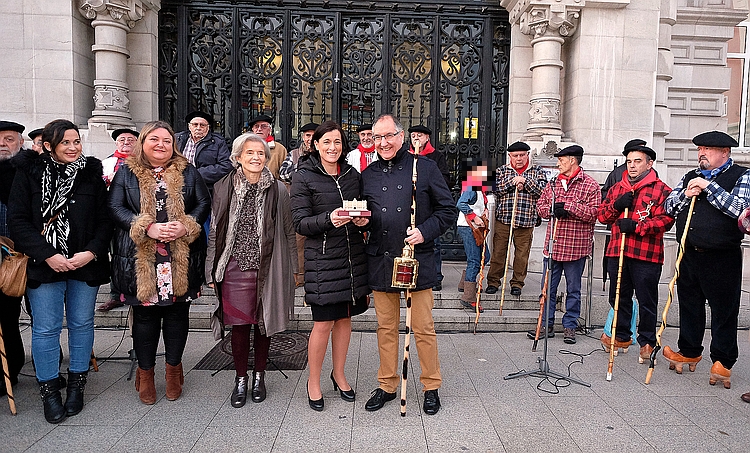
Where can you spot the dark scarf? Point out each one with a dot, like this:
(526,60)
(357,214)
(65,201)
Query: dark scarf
(57,188)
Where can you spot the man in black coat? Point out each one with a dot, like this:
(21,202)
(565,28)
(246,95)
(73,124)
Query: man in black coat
(10,307)
(387,187)
(205,149)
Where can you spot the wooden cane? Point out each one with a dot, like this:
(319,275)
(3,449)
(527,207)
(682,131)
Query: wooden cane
(93,361)
(507,253)
(543,296)
(407,293)
(611,363)
(6,374)
(670,296)
(479,279)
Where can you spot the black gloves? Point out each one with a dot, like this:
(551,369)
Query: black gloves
(627,225)
(625,201)
(559,210)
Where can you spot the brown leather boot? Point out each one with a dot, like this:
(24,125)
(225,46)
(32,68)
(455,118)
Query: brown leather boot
(175,379)
(720,374)
(470,294)
(461,281)
(677,360)
(144,384)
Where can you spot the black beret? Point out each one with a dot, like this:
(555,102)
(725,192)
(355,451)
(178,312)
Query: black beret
(518,146)
(644,149)
(421,129)
(199,114)
(715,139)
(572,150)
(364,127)
(35,133)
(118,132)
(11,126)
(258,119)
(632,144)
(309,127)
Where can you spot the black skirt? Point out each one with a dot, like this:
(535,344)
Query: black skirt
(341,310)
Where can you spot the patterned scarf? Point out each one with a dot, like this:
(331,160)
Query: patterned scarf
(57,188)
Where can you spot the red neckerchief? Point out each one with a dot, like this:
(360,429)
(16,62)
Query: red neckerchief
(270,139)
(363,156)
(568,178)
(427,149)
(521,170)
(648,179)
(120,155)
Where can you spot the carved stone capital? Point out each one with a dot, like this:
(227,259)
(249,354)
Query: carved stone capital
(557,19)
(121,12)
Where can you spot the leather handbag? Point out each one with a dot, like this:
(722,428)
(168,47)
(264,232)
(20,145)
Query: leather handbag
(479,233)
(12,269)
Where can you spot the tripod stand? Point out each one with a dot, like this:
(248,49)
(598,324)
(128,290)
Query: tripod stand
(544,371)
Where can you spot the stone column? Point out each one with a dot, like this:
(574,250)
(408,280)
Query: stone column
(548,26)
(111,20)
(664,72)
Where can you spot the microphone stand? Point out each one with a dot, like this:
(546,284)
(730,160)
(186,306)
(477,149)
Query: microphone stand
(544,371)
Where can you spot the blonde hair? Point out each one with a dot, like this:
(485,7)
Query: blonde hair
(148,128)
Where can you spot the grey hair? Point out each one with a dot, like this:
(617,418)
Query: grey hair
(239,144)
(397,123)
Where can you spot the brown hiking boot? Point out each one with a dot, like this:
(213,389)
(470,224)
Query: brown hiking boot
(645,353)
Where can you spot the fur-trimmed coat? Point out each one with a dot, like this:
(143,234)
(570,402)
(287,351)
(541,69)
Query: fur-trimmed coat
(132,205)
(90,226)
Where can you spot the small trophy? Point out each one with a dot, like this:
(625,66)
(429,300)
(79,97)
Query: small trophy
(355,208)
(405,269)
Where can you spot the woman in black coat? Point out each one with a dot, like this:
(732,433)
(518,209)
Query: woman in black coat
(335,262)
(57,216)
(158,201)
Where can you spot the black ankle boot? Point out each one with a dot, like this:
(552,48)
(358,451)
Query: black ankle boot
(54,411)
(239,394)
(258,392)
(76,385)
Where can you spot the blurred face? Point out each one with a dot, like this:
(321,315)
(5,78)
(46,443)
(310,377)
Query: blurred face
(329,147)
(263,129)
(252,159)
(518,159)
(418,137)
(567,165)
(126,142)
(158,147)
(365,139)
(638,163)
(69,149)
(36,144)
(710,158)
(198,128)
(10,144)
(387,139)
(307,138)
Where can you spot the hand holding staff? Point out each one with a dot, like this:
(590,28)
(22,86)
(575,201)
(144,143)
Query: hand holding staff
(480,277)
(680,253)
(507,253)
(612,349)
(6,374)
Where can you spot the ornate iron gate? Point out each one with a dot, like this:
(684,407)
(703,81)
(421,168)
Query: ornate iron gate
(444,66)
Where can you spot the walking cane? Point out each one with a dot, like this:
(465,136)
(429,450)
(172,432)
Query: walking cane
(93,361)
(480,277)
(611,363)
(6,374)
(507,253)
(680,253)
(543,296)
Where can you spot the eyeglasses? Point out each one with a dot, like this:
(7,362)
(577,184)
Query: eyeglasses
(126,140)
(261,126)
(387,137)
(199,125)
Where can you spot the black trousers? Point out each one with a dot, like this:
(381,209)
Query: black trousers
(172,321)
(10,312)
(716,276)
(641,277)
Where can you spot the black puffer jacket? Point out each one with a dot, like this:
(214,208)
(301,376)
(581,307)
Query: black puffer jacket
(90,226)
(335,261)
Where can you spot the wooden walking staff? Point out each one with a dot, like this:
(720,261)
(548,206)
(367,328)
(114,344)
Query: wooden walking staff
(543,296)
(670,296)
(405,269)
(507,253)
(479,279)
(612,349)
(6,374)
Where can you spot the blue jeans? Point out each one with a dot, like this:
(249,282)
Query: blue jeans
(573,273)
(473,253)
(47,303)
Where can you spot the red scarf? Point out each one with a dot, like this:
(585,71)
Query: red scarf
(648,179)
(427,149)
(270,139)
(521,170)
(363,156)
(120,155)
(568,178)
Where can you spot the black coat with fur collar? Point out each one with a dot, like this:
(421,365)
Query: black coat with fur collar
(90,226)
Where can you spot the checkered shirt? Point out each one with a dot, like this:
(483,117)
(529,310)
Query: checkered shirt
(743,221)
(526,215)
(647,243)
(189,151)
(575,233)
(730,203)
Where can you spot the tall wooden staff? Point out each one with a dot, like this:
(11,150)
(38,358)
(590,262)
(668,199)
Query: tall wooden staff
(6,374)
(507,253)
(480,277)
(680,253)
(611,363)
(543,296)
(407,292)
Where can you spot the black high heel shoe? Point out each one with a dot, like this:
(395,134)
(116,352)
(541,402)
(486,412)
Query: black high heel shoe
(346,395)
(316,405)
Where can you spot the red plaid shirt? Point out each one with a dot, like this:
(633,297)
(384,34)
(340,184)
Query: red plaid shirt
(575,233)
(647,243)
